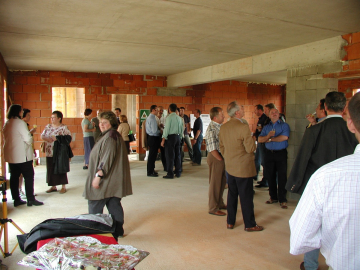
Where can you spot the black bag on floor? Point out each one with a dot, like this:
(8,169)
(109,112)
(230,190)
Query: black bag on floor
(64,227)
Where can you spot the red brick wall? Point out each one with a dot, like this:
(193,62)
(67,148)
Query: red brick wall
(349,77)
(222,93)
(3,76)
(32,90)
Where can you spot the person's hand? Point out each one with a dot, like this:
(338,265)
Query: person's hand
(271,133)
(96,182)
(53,138)
(162,143)
(311,118)
(33,130)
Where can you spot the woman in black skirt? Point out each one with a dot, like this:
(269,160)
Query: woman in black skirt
(49,134)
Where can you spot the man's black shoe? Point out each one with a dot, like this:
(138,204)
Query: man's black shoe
(34,202)
(260,186)
(19,202)
(168,177)
(153,175)
(178,175)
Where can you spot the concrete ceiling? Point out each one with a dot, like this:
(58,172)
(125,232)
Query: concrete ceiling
(162,37)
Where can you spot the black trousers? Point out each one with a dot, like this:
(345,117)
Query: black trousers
(276,162)
(173,155)
(114,207)
(242,187)
(163,157)
(153,144)
(27,170)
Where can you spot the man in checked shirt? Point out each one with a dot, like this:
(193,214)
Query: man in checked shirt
(217,179)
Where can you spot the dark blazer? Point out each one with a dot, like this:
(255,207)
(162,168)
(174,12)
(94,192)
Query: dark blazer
(321,144)
(62,153)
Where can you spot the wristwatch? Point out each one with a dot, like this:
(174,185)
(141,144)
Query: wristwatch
(270,140)
(98,175)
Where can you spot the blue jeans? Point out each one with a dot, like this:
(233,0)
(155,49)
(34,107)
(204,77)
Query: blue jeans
(197,150)
(311,259)
(259,157)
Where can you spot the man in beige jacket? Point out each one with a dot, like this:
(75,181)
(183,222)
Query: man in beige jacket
(237,147)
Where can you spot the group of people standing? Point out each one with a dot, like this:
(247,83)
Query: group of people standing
(169,134)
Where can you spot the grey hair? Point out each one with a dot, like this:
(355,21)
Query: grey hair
(232,108)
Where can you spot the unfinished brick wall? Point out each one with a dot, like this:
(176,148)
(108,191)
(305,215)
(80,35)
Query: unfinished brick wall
(349,77)
(32,90)
(222,93)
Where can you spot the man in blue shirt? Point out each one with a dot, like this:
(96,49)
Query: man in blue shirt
(275,135)
(153,140)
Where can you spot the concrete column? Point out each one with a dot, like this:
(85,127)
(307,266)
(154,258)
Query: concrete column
(305,87)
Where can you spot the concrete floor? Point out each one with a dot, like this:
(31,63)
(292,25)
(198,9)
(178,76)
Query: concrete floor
(169,218)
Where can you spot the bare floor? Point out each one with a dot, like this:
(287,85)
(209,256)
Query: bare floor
(169,218)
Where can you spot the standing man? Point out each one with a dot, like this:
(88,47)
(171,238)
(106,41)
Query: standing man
(95,122)
(275,135)
(171,139)
(118,113)
(320,113)
(153,139)
(237,147)
(160,119)
(321,144)
(259,154)
(198,130)
(186,134)
(217,178)
(327,214)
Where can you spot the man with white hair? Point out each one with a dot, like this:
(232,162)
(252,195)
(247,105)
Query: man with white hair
(237,146)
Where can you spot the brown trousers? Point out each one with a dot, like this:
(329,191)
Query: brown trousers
(217,181)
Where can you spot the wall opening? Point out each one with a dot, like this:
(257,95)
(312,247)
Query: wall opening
(69,100)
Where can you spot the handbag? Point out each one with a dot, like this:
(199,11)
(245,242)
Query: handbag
(131,137)
(42,147)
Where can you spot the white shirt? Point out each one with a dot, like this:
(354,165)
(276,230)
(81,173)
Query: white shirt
(17,141)
(328,214)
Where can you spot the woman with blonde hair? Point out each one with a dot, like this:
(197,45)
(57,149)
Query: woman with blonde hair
(124,129)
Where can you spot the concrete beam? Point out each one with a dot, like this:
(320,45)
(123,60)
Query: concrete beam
(315,53)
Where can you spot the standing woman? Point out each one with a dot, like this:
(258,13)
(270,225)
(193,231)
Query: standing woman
(56,128)
(108,179)
(124,129)
(88,134)
(18,152)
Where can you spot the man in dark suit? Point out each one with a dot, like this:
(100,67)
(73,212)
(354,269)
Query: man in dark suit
(321,144)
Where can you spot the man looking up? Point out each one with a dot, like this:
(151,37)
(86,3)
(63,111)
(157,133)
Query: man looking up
(186,133)
(275,135)
(198,130)
(320,113)
(153,140)
(171,140)
(237,147)
(327,214)
(217,178)
(321,144)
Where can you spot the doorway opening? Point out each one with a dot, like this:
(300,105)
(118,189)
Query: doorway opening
(127,104)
